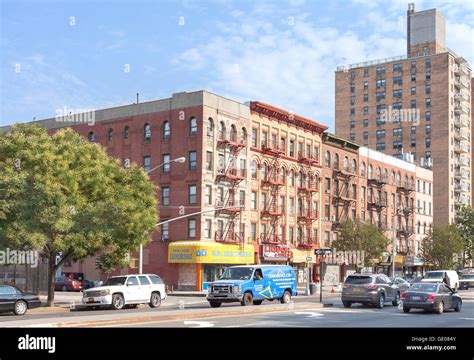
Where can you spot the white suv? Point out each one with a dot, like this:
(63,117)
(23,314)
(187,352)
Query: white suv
(127,290)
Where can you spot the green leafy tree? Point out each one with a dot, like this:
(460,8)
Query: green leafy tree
(65,197)
(442,246)
(360,236)
(465,225)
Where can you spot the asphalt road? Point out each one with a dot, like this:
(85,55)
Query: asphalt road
(337,316)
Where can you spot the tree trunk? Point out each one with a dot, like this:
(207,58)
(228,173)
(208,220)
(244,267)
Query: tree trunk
(51,278)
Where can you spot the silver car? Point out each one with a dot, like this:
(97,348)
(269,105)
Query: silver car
(373,289)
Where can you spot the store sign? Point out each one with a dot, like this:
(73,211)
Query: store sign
(417,261)
(409,261)
(276,251)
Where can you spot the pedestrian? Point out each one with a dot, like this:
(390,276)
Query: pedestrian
(446,279)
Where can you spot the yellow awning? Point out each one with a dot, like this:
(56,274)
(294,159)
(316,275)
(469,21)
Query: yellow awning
(209,252)
(299,256)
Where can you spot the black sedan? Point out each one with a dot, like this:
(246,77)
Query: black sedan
(435,297)
(17,301)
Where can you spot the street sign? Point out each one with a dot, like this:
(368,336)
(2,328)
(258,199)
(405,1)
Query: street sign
(309,258)
(322,252)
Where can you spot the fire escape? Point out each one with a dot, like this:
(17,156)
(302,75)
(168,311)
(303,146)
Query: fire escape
(405,216)
(307,214)
(273,183)
(229,173)
(341,195)
(378,202)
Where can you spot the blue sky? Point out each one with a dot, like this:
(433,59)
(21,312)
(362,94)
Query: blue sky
(76,54)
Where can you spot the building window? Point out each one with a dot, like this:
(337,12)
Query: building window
(254,169)
(366,85)
(253,231)
(413,91)
(380,146)
(428,102)
(91,137)
(398,80)
(397,93)
(192,194)
(126,132)
(428,115)
(380,70)
(208,228)
(413,77)
(413,64)
(428,75)
(380,83)
(254,137)
(292,177)
(380,95)
(397,144)
(165,231)
(428,129)
(380,134)
(352,124)
(166,130)
(209,156)
(110,135)
(253,200)
(427,89)
(192,228)
(366,72)
(366,135)
(353,88)
(428,63)
(193,127)
(413,130)
(365,122)
(192,160)
(210,128)
(146,164)
(413,104)
(352,136)
(413,142)
(208,195)
(428,142)
(165,196)
(353,100)
(292,207)
(366,97)
(366,110)
(292,148)
(398,132)
(397,67)
(147,133)
(166,162)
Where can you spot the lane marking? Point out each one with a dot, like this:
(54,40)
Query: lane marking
(310,314)
(200,324)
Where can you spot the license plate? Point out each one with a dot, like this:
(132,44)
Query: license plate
(91,299)
(356,289)
(416,297)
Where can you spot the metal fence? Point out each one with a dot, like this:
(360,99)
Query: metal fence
(25,277)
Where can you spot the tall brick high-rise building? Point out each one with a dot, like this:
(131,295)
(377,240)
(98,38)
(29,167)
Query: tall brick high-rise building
(418,106)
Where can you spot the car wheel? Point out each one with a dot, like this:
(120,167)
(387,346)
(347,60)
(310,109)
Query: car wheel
(64,288)
(257,302)
(406,309)
(247,300)
(347,304)
(440,308)
(215,304)
(20,307)
(397,300)
(117,302)
(380,301)
(458,306)
(286,299)
(155,300)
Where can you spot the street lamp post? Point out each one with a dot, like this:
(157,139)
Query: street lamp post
(179,160)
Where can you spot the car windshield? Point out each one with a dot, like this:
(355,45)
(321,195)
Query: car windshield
(434,275)
(464,277)
(237,274)
(120,280)
(358,280)
(428,288)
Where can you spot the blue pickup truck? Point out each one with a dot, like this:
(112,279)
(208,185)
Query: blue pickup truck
(252,284)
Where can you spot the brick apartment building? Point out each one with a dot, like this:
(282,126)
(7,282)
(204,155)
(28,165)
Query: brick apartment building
(417,104)
(265,168)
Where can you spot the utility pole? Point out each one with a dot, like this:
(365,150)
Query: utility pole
(393,249)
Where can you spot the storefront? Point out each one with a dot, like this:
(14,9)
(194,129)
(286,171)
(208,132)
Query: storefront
(300,261)
(201,262)
(413,266)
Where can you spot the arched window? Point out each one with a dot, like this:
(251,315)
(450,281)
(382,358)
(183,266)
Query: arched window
(292,177)
(221,132)
(328,159)
(254,169)
(166,130)
(193,126)
(346,164)
(399,179)
(392,180)
(363,169)
(385,175)
(336,161)
(379,173)
(91,137)
(110,135)
(282,176)
(300,179)
(233,133)
(354,166)
(264,171)
(210,127)
(300,206)
(412,182)
(406,180)
(243,136)
(371,170)
(316,182)
(308,181)
(147,133)
(126,132)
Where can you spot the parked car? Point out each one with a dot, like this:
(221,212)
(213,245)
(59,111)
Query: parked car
(67,284)
(416,279)
(253,284)
(88,284)
(14,300)
(127,290)
(402,284)
(431,296)
(374,289)
(466,281)
(438,275)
